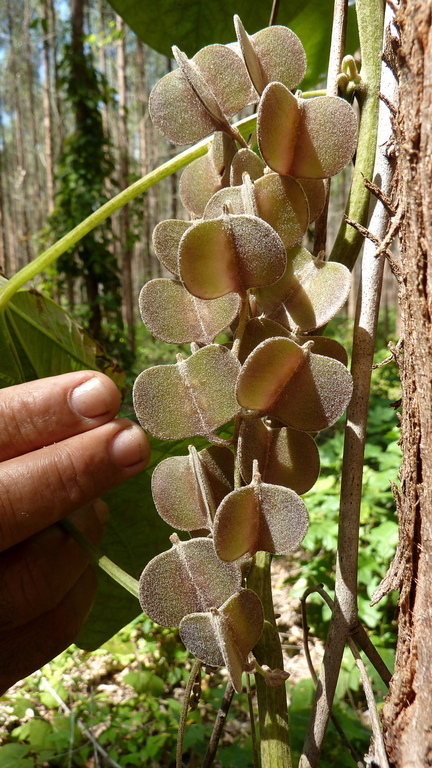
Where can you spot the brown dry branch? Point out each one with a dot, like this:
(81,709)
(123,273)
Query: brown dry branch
(345,618)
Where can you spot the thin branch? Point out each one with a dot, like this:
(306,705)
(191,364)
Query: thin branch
(274,12)
(195,671)
(367,687)
(255,752)
(88,734)
(345,618)
(218,726)
(373,712)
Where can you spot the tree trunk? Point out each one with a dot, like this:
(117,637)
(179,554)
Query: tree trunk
(127,250)
(142,99)
(47,90)
(21,189)
(407,714)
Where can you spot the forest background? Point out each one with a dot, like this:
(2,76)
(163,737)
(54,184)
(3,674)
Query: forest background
(75,130)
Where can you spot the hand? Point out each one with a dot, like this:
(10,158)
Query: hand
(60,448)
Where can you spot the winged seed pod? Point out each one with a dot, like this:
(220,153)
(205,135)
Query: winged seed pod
(225,636)
(259,517)
(305,138)
(200,97)
(240,268)
(273,53)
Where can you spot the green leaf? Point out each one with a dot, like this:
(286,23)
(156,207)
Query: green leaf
(145,682)
(14,756)
(190,24)
(38,338)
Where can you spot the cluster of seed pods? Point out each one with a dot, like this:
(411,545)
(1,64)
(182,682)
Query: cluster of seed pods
(239,265)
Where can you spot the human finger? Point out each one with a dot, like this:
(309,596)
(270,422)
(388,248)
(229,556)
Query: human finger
(36,574)
(41,487)
(29,647)
(46,411)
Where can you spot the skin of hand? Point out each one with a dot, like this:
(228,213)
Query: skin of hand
(60,448)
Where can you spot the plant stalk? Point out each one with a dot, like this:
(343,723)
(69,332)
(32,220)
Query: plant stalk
(97,558)
(370,17)
(272,701)
(345,619)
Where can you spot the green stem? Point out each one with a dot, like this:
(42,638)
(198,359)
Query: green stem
(118,574)
(370,17)
(245,127)
(67,242)
(272,701)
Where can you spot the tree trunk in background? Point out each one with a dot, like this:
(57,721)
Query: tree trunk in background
(36,201)
(56,102)
(21,183)
(47,90)
(407,714)
(142,100)
(127,250)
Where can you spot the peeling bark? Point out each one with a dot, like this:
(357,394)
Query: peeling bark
(407,714)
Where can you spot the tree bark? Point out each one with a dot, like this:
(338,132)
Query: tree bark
(407,714)
(127,250)
(47,90)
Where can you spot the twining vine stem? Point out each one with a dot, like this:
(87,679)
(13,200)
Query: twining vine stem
(344,618)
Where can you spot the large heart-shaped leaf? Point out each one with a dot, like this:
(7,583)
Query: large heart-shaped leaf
(230,253)
(285,456)
(192,397)
(292,384)
(186,579)
(309,293)
(38,338)
(226,636)
(188,489)
(259,517)
(193,23)
(172,314)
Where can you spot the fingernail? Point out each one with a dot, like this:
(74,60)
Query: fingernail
(90,399)
(101,511)
(128,447)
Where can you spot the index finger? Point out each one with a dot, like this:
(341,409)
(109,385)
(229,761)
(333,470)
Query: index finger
(40,413)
